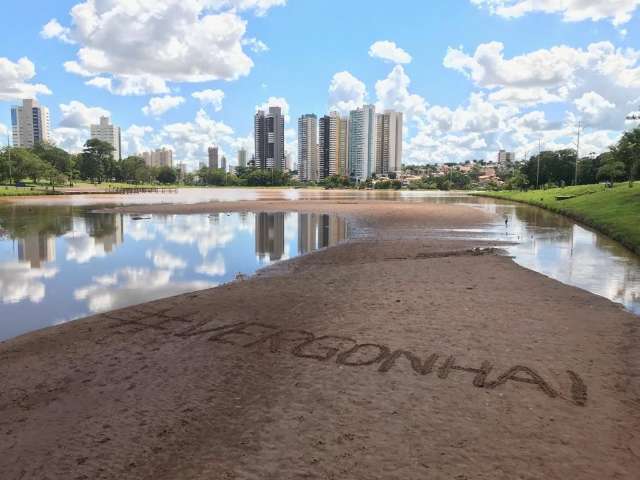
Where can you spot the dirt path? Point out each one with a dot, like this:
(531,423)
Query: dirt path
(393,356)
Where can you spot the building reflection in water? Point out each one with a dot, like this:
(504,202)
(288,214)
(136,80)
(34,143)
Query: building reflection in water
(107,229)
(319,231)
(270,235)
(37,248)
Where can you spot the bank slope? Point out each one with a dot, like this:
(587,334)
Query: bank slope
(613,211)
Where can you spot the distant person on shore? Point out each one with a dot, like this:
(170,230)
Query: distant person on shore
(506,222)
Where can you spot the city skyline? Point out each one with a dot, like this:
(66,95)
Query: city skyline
(486,81)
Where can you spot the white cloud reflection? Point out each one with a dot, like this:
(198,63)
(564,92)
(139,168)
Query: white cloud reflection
(130,286)
(19,282)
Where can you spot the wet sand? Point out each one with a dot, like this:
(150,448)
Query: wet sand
(390,356)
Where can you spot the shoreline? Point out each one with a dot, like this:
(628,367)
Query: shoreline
(390,355)
(579,217)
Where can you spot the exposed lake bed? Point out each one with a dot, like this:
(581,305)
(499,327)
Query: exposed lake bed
(297,371)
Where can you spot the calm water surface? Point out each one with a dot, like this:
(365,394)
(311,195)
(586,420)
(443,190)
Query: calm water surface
(60,261)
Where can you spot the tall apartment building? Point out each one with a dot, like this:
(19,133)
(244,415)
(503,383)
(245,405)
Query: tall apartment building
(161,157)
(213,157)
(362,142)
(242,157)
(505,157)
(30,124)
(269,139)
(388,142)
(333,145)
(223,163)
(110,134)
(308,165)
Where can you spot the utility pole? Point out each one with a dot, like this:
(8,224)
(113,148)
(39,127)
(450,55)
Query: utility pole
(539,154)
(575,180)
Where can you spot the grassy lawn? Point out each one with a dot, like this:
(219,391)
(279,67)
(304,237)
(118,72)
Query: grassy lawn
(11,191)
(613,211)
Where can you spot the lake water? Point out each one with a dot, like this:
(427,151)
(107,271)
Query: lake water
(59,261)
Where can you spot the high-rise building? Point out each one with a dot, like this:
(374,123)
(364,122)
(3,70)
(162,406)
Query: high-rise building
(223,163)
(242,157)
(388,142)
(182,170)
(362,142)
(333,145)
(161,157)
(308,166)
(505,157)
(269,139)
(110,134)
(30,124)
(213,157)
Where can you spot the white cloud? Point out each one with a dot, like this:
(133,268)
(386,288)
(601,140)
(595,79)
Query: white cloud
(276,102)
(617,11)
(126,84)
(159,105)
(70,139)
(393,93)
(557,74)
(15,80)
(259,6)
(346,92)
(77,115)
(210,97)
(134,139)
(53,29)
(3,129)
(165,40)
(256,46)
(389,51)
(594,108)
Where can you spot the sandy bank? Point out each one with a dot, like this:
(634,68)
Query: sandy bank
(391,356)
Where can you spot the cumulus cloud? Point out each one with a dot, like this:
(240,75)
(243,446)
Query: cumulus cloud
(617,11)
(159,105)
(210,97)
(19,282)
(3,129)
(557,74)
(163,40)
(346,92)
(77,115)
(276,102)
(389,51)
(15,80)
(164,260)
(53,29)
(393,93)
(134,139)
(124,84)
(215,268)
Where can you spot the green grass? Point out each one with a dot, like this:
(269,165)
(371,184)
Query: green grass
(11,191)
(612,211)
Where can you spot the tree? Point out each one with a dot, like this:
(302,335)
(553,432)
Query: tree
(612,170)
(96,162)
(167,175)
(627,151)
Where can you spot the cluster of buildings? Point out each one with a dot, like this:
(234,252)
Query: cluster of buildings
(359,145)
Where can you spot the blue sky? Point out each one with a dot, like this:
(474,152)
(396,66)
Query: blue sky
(472,76)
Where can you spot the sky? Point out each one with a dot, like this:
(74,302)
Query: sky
(471,76)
